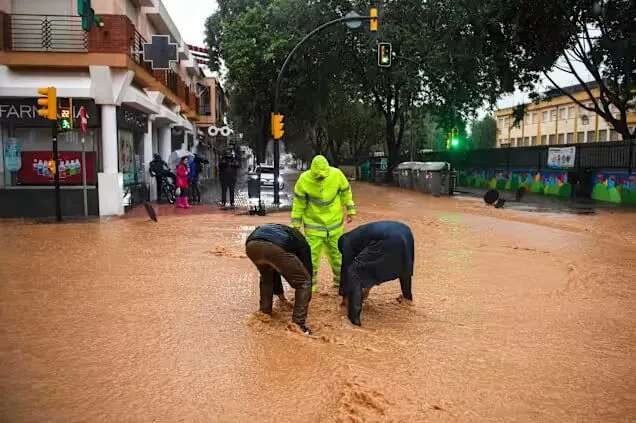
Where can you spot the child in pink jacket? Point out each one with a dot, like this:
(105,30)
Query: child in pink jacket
(182,184)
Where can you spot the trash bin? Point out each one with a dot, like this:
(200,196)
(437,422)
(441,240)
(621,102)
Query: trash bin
(403,173)
(254,204)
(437,176)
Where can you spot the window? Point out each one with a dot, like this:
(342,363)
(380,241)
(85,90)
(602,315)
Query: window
(526,141)
(580,137)
(545,116)
(500,122)
(570,138)
(561,114)
(553,114)
(533,118)
(614,135)
(602,135)
(561,139)
(519,142)
(585,120)
(571,112)
(533,140)
(591,136)
(552,139)
(544,139)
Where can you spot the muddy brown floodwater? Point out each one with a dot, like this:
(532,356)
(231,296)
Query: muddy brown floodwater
(517,317)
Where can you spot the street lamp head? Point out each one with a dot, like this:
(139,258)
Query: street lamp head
(354,23)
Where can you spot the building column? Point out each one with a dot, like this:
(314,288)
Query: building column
(111,182)
(151,183)
(164,142)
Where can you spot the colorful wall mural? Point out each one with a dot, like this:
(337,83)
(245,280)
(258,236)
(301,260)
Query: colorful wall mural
(615,187)
(610,186)
(548,182)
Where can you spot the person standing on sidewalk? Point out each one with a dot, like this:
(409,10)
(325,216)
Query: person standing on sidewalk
(280,250)
(320,196)
(159,170)
(228,170)
(195,168)
(182,183)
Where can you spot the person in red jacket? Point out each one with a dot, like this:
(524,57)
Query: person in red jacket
(182,183)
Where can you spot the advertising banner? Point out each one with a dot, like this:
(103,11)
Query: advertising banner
(37,168)
(561,158)
(12,149)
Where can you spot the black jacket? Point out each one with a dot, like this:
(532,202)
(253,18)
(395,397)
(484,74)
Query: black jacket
(289,239)
(383,251)
(228,169)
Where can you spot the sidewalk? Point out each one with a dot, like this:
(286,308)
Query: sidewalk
(543,203)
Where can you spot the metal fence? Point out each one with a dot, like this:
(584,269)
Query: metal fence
(602,155)
(51,33)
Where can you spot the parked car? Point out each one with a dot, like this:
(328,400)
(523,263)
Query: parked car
(267,176)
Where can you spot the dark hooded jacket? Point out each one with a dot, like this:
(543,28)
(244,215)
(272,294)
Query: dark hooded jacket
(289,239)
(382,251)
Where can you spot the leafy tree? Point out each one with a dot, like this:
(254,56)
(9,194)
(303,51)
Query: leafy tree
(484,133)
(575,36)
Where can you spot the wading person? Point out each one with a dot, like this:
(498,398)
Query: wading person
(372,254)
(280,250)
(320,196)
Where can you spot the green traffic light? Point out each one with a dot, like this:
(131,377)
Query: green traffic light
(455,142)
(65,124)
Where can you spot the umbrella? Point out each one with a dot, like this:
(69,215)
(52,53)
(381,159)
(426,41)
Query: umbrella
(176,155)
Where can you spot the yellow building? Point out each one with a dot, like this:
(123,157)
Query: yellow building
(557,120)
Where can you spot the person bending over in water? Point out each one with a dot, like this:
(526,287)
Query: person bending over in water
(280,250)
(372,254)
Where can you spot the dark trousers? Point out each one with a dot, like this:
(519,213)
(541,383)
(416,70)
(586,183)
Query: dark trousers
(273,261)
(158,179)
(227,186)
(195,192)
(354,301)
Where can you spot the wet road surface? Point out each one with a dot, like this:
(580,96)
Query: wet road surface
(517,317)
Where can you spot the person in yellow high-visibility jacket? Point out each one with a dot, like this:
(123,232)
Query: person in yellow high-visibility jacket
(320,196)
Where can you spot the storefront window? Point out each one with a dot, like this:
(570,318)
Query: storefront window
(131,157)
(27,157)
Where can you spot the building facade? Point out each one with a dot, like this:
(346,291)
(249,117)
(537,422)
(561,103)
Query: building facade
(133,111)
(557,120)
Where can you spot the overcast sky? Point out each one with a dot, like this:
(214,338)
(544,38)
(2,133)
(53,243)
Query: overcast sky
(190,16)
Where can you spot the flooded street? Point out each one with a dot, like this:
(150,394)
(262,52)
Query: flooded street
(517,317)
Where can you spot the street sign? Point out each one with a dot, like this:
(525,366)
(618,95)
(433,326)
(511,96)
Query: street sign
(160,52)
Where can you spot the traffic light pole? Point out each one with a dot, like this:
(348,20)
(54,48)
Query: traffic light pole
(278,82)
(56,175)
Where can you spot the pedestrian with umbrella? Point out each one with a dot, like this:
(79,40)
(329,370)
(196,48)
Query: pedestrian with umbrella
(182,183)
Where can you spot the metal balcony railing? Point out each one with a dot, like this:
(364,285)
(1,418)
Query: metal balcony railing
(50,33)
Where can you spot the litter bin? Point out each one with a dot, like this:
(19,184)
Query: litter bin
(437,175)
(404,176)
(254,203)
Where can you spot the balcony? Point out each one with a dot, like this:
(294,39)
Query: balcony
(48,33)
(61,38)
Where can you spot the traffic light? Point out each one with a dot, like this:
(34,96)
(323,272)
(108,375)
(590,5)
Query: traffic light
(47,106)
(277,126)
(373,23)
(455,138)
(65,121)
(384,55)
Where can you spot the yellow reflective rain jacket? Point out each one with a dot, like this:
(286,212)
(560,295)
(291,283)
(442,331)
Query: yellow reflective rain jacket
(320,195)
